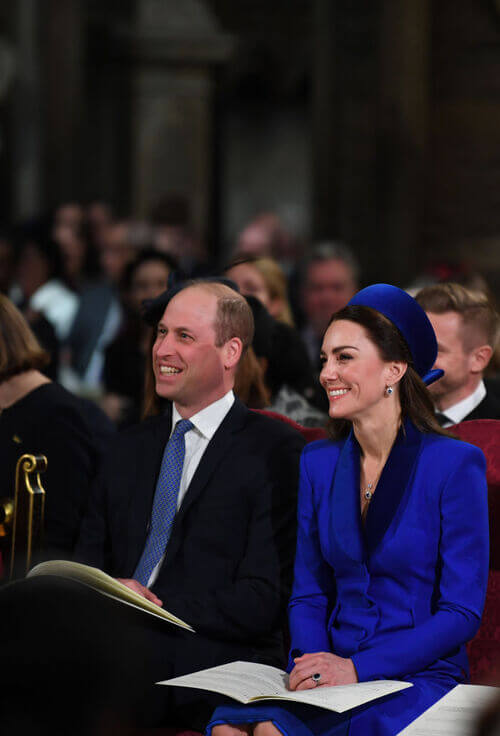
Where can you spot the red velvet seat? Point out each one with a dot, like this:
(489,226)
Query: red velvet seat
(485,434)
(484,649)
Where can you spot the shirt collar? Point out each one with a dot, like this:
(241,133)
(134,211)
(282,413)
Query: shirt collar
(463,408)
(208,420)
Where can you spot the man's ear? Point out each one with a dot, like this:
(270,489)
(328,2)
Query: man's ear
(233,349)
(480,357)
(395,372)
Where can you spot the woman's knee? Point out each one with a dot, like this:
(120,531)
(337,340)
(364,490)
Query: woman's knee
(230,730)
(266,728)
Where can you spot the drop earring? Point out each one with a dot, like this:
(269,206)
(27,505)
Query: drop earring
(389,390)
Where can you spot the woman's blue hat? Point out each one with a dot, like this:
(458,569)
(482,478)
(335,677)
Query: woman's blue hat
(410,319)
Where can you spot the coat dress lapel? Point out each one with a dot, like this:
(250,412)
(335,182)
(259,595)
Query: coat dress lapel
(345,512)
(394,480)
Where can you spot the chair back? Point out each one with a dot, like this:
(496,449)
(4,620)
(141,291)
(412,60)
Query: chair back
(28,514)
(485,434)
(484,649)
(310,434)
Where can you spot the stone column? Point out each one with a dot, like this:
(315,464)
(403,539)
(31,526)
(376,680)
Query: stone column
(402,134)
(325,102)
(174,51)
(62,26)
(21,66)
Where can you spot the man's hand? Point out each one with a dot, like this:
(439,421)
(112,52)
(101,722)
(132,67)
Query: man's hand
(333,670)
(141,589)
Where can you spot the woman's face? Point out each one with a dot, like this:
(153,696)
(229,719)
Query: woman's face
(353,374)
(250,282)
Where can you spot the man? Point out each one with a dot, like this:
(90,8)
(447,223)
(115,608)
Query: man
(329,279)
(466,327)
(224,565)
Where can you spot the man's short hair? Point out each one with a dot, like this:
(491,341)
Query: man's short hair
(480,320)
(233,317)
(330,251)
(19,349)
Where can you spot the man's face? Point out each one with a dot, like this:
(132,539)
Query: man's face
(188,367)
(329,286)
(452,358)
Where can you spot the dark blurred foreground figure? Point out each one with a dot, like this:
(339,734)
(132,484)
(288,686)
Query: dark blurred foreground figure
(38,416)
(72,661)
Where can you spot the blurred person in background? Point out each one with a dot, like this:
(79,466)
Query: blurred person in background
(40,284)
(6,261)
(125,358)
(69,214)
(100,316)
(249,384)
(39,417)
(286,368)
(173,234)
(266,236)
(117,250)
(263,278)
(467,330)
(99,217)
(328,279)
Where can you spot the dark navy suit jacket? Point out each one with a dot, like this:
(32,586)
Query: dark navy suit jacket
(228,566)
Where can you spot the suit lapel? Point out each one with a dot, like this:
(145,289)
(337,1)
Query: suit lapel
(345,509)
(218,447)
(392,484)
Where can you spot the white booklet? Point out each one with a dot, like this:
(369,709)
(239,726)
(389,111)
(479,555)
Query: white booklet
(456,713)
(103,583)
(248,682)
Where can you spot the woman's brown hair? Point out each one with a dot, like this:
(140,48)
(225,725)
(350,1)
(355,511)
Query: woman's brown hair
(20,351)
(415,399)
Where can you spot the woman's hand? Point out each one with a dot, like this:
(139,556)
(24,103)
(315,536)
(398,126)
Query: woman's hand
(333,670)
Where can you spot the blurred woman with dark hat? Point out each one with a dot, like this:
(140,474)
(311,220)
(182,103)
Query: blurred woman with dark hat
(392,553)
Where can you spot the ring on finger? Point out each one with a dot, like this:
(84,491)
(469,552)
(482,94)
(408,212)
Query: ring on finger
(316,678)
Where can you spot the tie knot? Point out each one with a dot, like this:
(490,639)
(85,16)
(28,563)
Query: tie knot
(182,426)
(442,419)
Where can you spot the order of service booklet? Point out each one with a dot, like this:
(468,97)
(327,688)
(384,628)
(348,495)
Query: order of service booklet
(456,713)
(103,583)
(249,682)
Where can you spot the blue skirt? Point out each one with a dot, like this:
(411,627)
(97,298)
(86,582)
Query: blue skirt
(384,717)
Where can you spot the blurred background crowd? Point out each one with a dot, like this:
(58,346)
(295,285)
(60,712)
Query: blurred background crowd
(303,149)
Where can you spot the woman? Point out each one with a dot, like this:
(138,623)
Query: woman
(40,417)
(125,358)
(392,556)
(264,279)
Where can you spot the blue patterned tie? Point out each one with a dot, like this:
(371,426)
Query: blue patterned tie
(165,502)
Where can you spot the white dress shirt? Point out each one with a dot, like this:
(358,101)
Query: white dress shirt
(461,409)
(206,423)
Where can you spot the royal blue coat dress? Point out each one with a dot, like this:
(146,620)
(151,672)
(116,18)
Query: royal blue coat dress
(402,595)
